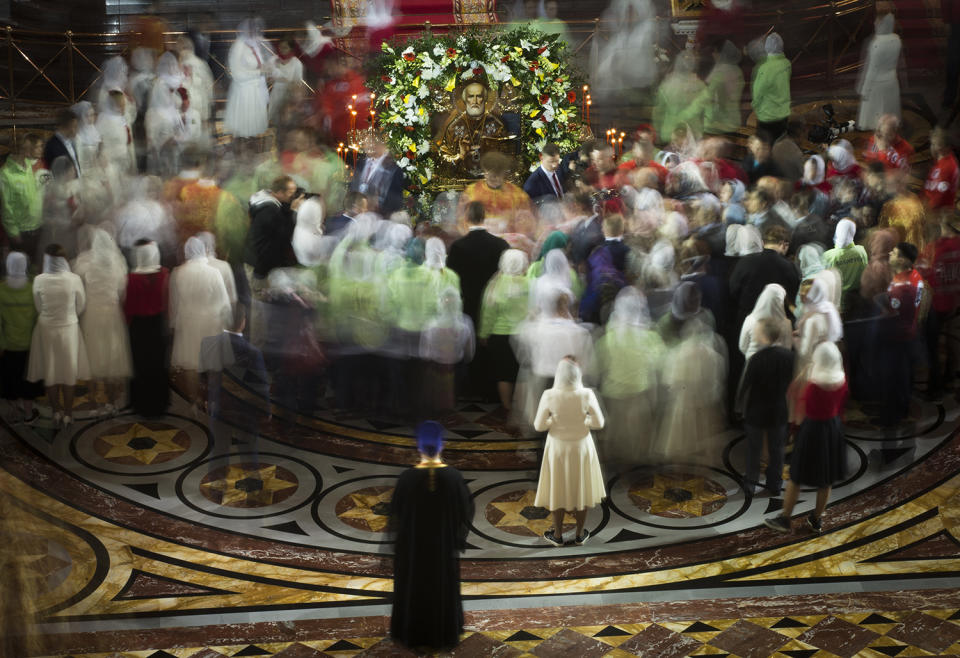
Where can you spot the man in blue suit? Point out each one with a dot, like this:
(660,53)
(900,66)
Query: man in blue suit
(379,178)
(546,182)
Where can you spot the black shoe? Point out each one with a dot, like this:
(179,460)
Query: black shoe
(551,537)
(580,540)
(814,524)
(779,523)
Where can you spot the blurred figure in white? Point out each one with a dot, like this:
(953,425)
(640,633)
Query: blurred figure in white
(103,271)
(770,305)
(197,80)
(287,75)
(677,92)
(878,86)
(116,132)
(694,391)
(222,266)
(166,131)
(248,61)
(626,62)
(199,307)
(140,83)
(87,140)
(446,341)
(144,217)
(309,245)
(58,355)
(62,208)
(541,343)
(629,359)
(114,75)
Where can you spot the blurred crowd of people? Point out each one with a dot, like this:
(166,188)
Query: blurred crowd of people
(652,266)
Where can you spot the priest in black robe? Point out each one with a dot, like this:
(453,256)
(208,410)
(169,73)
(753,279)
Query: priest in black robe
(431,513)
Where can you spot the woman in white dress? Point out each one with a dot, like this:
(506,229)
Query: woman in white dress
(878,87)
(103,270)
(58,355)
(164,122)
(287,75)
(199,307)
(248,60)
(694,378)
(570,477)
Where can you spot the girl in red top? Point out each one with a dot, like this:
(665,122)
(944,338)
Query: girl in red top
(819,453)
(145,307)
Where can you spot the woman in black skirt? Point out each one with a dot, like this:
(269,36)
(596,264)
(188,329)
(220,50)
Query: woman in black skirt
(819,453)
(145,307)
(18,315)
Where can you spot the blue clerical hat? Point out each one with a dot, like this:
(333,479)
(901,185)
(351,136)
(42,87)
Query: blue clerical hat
(430,437)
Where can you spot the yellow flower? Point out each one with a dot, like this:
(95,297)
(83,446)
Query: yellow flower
(518,49)
(406,99)
(416,82)
(423,179)
(540,131)
(515,82)
(535,112)
(452,84)
(412,147)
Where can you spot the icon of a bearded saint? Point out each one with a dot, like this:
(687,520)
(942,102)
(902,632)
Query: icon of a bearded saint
(472,132)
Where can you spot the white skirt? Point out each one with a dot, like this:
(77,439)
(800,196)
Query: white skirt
(108,342)
(58,355)
(570,477)
(188,334)
(246,113)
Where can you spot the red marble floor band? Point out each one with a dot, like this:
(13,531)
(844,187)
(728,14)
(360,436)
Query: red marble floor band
(529,618)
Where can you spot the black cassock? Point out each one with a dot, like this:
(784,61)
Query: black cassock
(430,516)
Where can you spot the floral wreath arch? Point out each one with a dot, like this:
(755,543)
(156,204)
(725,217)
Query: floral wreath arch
(415,83)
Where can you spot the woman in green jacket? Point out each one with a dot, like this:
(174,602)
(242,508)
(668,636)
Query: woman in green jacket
(18,314)
(503,308)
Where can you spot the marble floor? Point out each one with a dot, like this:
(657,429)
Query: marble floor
(142,542)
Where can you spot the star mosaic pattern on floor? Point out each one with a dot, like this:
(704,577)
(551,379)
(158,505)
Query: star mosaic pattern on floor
(134,519)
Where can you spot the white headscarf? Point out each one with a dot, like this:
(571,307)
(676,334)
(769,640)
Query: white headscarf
(818,301)
(55,264)
(810,258)
(435,254)
(194,249)
(733,240)
(557,267)
(770,303)
(841,154)
(827,369)
(884,24)
(568,377)
(115,73)
(87,132)
(630,309)
(843,236)
(169,71)
(104,253)
(773,45)
(209,242)
(749,241)
(513,262)
(814,170)
(308,240)
(16,269)
(146,258)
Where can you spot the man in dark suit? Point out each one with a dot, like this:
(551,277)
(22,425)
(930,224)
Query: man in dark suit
(379,178)
(61,144)
(476,258)
(546,182)
(752,273)
(613,242)
(588,233)
(354,204)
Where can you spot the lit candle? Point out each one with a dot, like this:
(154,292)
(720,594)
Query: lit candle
(589,103)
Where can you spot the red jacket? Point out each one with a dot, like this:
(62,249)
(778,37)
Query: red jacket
(896,156)
(942,272)
(940,190)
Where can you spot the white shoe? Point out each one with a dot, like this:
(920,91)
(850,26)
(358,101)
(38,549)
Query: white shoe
(67,421)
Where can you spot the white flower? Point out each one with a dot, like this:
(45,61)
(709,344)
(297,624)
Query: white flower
(526,45)
(409,50)
(537,124)
(423,147)
(439,50)
(466,75)
(545,53)
(403,163)
(423,92)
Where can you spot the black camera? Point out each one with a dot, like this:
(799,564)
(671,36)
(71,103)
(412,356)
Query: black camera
(831,129)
